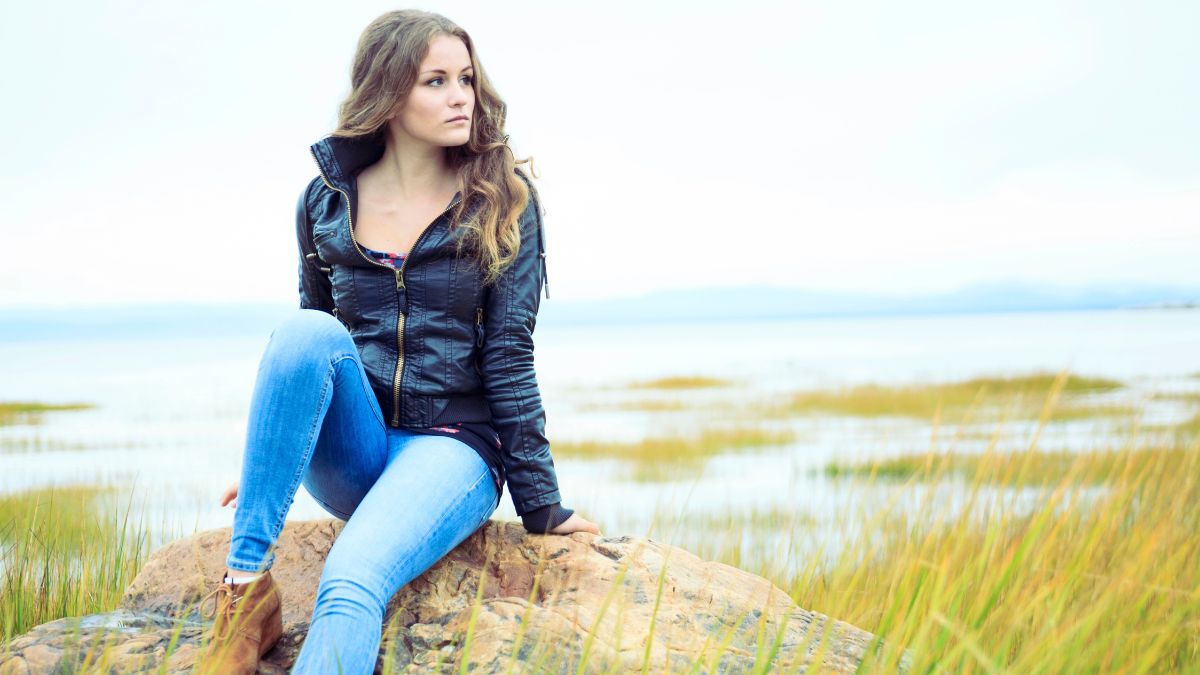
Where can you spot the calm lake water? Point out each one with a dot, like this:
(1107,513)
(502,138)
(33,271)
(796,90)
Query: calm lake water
(171,412)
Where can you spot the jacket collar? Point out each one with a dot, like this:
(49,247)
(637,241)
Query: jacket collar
(340,158)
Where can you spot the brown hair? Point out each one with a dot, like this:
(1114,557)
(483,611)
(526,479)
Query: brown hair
(384,71)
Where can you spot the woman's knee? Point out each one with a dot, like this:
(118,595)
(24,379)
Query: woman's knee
(341,591)
(310,332)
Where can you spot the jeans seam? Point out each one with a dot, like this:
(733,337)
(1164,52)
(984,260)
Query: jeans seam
(334,362)
(310,442)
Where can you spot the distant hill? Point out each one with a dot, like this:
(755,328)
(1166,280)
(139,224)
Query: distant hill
(726,303)
(774,302)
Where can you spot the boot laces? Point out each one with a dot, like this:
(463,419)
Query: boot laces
(225,605)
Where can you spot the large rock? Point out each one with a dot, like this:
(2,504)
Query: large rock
(579,597)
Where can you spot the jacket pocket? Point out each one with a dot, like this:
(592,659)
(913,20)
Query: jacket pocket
(478,326)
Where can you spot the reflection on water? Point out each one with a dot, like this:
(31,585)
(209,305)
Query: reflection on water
(170,413)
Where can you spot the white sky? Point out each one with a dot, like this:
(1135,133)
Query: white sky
(154,151)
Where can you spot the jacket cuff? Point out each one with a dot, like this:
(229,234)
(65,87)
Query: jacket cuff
(546,518)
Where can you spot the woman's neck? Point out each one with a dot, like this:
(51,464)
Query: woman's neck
(412,170)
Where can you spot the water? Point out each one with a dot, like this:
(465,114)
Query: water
(171,412)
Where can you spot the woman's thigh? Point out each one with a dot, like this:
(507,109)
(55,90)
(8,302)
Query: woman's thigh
(434,492)
(351,451)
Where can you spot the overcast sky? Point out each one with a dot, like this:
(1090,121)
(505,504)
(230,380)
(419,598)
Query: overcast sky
(154,151)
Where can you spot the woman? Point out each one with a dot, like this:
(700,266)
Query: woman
(402,393)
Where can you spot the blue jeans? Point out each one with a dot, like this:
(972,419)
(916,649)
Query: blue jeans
(408,498)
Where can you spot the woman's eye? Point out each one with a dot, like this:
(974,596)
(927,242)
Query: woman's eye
(438,79)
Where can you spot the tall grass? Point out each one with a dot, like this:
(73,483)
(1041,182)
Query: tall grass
(1104,585)
(64,551)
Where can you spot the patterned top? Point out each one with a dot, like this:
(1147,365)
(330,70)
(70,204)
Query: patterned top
(392,260)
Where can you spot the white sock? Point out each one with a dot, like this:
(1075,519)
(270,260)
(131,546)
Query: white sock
(241,579)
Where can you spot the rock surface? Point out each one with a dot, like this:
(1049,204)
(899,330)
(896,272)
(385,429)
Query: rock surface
(580,597)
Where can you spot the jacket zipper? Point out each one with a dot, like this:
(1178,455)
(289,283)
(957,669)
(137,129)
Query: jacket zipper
(398,376)
(349,215)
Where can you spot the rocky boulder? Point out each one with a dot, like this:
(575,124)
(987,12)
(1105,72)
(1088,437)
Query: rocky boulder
(547,602)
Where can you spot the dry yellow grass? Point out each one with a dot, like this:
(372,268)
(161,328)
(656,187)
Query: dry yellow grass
(1110,585)
(1015,396)
(636,405)
(681,382)
(707,443)
(1040,468)
(30,412)
(675,457)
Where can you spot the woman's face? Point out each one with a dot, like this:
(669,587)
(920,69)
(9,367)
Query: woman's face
(443,91)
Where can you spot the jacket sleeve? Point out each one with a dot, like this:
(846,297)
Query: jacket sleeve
(315,288)
(506,364)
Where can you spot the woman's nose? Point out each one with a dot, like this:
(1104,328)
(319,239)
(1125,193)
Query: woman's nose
(461,93)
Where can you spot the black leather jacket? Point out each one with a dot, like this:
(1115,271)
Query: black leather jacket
(437,345)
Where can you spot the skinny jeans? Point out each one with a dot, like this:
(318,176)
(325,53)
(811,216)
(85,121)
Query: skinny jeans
(407,498)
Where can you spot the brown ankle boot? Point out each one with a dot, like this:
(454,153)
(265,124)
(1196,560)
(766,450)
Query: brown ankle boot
(248,622)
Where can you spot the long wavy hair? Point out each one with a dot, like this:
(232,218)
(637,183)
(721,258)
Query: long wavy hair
(385,69)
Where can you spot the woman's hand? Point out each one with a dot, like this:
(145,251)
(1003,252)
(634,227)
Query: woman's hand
(576,523)
(230,496)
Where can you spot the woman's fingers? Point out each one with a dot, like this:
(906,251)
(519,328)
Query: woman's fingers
(230,495)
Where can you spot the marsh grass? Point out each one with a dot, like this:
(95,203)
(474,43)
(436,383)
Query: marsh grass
(1037,469)
(30,412)
(707,443)
(1022,394)
(1185,432)
(1110,583)
(682,382)
(649,405)
(677,456)
(1107,586)
(1192,397)
(39,442)
(992,397)
(65,552)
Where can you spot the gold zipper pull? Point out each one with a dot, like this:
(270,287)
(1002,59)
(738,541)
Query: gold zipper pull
(399,279)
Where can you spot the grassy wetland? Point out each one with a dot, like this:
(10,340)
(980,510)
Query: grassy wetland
(1053,560)
(65,551)
(1036,522)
